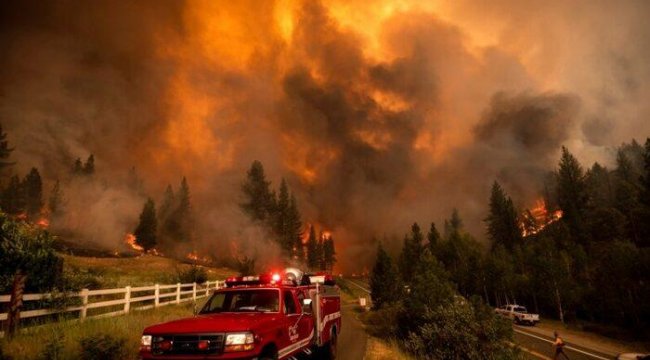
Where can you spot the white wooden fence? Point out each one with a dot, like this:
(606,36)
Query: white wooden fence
(92,299)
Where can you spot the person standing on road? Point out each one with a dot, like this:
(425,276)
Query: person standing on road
(559,346)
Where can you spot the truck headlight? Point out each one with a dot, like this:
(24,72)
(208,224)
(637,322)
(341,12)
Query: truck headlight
(239,342)
(145,342)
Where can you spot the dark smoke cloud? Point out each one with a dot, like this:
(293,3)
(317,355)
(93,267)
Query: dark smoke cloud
(377,120)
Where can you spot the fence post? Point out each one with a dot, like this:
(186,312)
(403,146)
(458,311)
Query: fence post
(178,293)
(84,304)
(157,294)
(194,291)
(207,288)
(127,299)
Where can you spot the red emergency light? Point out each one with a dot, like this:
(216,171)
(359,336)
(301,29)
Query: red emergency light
(263,279)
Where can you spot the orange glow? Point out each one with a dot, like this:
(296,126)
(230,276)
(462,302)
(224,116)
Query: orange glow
(130,240)
(536,219)
(43,222)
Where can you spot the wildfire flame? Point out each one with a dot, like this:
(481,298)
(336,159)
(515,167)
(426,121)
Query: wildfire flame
(195,257)
(539,217)
(130,240)
(43,222)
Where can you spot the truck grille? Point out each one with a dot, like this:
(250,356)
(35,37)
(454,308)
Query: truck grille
(187,344)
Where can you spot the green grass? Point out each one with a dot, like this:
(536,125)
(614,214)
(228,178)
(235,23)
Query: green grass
(136,271)
(29,344)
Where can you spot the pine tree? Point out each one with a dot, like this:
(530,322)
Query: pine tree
(13,197)
(56,201)
(312,249)
(384,280)
(179,224)
(77,168)
(293,235)
(502,223)
(5,150)
(329,253)
(280,224)
(626,194)
(434,239)
(146,231)
(89,166)
(33,187)
(410,256)
(258,202)
(572,193)
(320,249)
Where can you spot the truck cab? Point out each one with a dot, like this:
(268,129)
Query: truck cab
(518,314)
(269,316)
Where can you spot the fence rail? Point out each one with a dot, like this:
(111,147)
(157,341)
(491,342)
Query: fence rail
(96,299)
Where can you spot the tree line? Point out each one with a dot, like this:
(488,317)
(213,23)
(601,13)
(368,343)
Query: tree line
(589,265)
(278,213)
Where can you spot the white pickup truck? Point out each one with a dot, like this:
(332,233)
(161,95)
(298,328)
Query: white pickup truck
(518,314)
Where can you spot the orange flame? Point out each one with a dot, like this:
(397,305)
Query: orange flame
(43,222)
(130,240)
(536,219)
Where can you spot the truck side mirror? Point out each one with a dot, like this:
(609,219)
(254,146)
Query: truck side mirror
(306,306)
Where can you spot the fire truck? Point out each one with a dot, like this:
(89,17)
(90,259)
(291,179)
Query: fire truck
(279,315)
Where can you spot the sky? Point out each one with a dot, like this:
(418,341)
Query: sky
(378,114)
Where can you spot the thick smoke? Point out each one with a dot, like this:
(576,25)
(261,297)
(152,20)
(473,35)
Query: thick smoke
(378,115)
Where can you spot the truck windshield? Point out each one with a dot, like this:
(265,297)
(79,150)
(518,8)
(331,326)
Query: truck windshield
(520,309)
(242,301)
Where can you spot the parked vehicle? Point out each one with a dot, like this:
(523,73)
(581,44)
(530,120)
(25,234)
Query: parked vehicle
(270,316)
(518,314)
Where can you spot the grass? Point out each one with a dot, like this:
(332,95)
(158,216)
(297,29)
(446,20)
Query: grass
(378,349)
(31,343)
(136,271)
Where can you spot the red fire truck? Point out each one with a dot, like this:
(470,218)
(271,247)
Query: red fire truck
(285,315)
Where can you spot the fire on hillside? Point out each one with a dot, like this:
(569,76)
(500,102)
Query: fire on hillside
(536,219)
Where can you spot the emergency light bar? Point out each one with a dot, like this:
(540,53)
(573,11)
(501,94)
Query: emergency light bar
(292,277)
(264,279)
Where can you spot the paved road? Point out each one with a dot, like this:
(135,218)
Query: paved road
(538,346)
(352,343)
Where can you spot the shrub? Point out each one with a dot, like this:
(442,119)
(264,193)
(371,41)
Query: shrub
(194,273)
(383,322)
(103,347)
(53,349)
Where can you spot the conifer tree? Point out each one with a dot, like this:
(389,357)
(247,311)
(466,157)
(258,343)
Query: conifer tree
(384,280)
(56,201)
(183,213)
(77,168)
(280,224)
(434,239)
(502,224)
(572,193)
(312,249)
(329,253)
(5,150)
(410,256)
(294,230)
(320,251)
(257,202)
(179,224)
(146,231)
(33,187)
(13,197)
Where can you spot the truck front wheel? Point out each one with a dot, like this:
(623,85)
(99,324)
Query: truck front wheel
(331,347)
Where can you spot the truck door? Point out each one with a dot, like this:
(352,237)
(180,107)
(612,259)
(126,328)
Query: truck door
(298,325)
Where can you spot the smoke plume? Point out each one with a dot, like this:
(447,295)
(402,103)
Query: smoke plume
(378,115)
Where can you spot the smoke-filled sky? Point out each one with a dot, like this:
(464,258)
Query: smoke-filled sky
(378,113)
